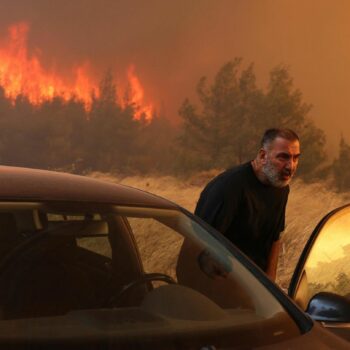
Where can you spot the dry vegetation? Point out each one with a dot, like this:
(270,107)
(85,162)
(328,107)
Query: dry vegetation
(308,203)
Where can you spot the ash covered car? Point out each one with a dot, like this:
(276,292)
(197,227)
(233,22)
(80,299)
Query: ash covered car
(86,264)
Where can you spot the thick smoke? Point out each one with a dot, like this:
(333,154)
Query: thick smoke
(173,43)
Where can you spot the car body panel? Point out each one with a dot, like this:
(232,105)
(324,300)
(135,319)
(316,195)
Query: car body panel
(58,290)
(317,338)
(32,184)
(98,329)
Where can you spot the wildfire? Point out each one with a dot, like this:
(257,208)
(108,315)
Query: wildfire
(137,96)
(24,74)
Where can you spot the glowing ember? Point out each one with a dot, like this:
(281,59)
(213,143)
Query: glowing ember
(24,74)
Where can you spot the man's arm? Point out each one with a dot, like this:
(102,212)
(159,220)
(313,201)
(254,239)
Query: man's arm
(272,261)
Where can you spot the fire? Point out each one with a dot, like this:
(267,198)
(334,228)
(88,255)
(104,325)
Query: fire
(137,96)
(22,73)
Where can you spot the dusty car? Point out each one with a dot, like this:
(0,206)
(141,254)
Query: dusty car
(86,264)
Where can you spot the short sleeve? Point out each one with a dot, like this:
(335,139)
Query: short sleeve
(218,206)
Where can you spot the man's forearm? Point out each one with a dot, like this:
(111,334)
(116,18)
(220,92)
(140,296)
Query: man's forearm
(272,262)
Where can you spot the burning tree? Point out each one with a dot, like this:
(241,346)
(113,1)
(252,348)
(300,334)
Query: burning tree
(110,130)
(50,119)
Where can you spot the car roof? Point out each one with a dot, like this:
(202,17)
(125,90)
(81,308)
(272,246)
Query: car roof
(21,184)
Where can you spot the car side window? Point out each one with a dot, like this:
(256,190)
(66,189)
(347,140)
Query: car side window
(99,245)
(93,238)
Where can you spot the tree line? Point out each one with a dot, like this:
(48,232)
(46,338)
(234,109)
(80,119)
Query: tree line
(59,134)
(221,129)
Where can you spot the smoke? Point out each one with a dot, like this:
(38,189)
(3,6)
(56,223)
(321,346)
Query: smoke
(173,43)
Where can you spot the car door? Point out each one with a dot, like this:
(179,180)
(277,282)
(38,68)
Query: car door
(321,281)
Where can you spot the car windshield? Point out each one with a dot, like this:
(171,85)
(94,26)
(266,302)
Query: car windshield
(136,272)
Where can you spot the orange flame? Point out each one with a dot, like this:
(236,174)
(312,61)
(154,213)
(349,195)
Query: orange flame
(24,74)
(137,96)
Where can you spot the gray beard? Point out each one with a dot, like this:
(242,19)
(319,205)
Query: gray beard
(273,176)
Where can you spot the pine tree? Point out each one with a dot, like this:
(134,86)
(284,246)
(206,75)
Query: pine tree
(111,131)
(234,113)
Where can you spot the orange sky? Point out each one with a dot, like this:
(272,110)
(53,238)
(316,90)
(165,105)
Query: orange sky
(174,43)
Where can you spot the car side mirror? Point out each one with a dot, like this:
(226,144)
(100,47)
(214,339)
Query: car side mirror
(329,307)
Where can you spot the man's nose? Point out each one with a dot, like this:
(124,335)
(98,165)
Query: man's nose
(289,164)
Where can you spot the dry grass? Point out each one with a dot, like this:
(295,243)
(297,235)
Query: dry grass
(308,203)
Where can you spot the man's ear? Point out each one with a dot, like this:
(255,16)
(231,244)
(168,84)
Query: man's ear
(262,156)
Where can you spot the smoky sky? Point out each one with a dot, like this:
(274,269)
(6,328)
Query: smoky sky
(174,43)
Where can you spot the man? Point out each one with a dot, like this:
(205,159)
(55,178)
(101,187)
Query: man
(247,203)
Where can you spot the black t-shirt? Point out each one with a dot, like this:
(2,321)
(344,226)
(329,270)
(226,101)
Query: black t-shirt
(249,213)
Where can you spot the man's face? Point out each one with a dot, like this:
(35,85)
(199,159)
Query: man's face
(280,161)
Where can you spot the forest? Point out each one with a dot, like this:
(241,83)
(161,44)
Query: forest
(220,129)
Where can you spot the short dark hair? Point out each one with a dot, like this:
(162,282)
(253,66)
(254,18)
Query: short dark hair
(271,134)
